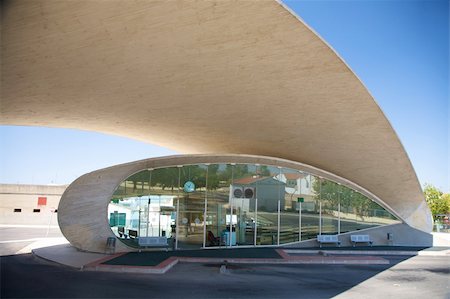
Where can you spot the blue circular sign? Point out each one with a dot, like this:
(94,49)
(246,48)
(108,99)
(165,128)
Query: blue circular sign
(189,186)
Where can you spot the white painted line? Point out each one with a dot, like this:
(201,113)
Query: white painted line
(354,252)
(23,240)
(435,253)
(369,252)
(28,226)
(45,242)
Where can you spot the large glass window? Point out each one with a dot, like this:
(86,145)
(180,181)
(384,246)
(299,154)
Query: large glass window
(290,216)
(160,216)
(270,200)
(219,182)
(192,205)
(329,197)
(223,205)
(242,203)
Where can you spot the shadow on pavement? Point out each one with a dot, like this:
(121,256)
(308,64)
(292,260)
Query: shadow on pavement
(25,276)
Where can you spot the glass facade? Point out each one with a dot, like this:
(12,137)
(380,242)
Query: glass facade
(226,205)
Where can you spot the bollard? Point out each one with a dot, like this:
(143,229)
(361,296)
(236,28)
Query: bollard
(390,238)
(110,245)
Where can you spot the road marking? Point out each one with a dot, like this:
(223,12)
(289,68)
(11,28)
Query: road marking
(42,242)
(28,226)
(19,241)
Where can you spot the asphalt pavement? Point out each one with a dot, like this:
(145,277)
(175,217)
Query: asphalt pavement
(17,239)
(27,276)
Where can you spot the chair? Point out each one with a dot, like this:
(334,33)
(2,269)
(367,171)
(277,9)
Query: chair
(212,240)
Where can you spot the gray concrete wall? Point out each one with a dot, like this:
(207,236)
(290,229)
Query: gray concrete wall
(25,197)
(403,235)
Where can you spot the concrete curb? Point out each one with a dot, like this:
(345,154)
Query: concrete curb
(292,260)
(159,269)
(162,269)
(286,259)
(372,252)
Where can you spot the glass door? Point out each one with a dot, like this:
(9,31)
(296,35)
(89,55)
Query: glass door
(191,207)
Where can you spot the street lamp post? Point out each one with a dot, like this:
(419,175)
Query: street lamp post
(339,211)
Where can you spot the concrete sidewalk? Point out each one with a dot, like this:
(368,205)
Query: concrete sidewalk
(66,254)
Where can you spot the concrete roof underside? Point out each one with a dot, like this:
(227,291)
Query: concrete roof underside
(243,77)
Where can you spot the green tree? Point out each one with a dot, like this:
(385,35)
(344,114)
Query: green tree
(234,171)
(213,178)
(165,178)
(332,193)
(194,173)
(139,177)
(263,171)
(438,202)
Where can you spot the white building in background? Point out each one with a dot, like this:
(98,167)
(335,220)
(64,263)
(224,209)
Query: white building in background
(30,204)
(299,184)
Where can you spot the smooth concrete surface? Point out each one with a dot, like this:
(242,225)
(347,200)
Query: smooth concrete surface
(66,254)
(245,77)
(403,235)
(82,211)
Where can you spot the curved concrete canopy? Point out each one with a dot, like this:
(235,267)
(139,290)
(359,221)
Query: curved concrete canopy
(202,77)
(83,209)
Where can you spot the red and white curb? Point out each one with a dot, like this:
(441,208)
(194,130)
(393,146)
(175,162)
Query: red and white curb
(444,252)
(286,259)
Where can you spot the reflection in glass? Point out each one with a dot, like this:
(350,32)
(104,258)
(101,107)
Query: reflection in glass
(270,199)
(219,181)
(330,197)
(223,205)
(242,201)
(191,210)
(290,220)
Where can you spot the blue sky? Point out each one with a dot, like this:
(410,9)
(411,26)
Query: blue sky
(399,49)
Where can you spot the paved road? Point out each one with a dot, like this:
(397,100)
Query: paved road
(418,277)
(13,239)
(26,276)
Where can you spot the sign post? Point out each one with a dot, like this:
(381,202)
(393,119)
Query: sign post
(300,200)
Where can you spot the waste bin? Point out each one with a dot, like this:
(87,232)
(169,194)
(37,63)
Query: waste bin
(110,245)
(390,238)
(226,237)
